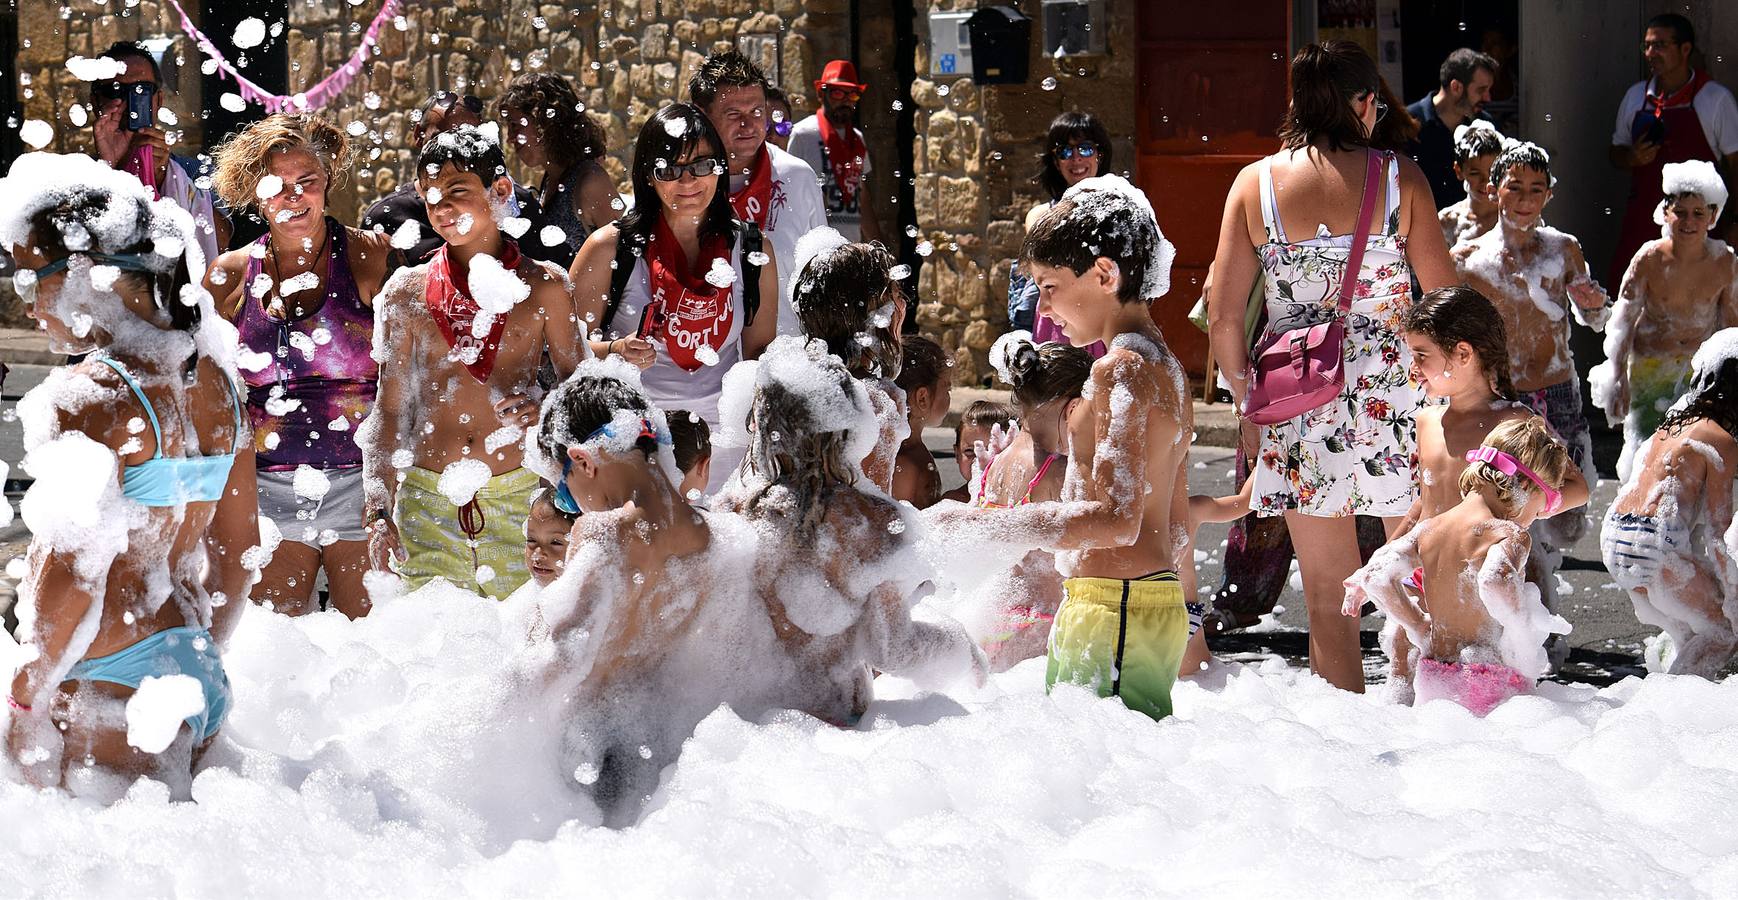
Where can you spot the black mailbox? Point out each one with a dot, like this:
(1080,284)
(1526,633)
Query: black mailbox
(1001,41)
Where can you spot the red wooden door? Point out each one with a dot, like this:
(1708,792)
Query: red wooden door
(1212,90)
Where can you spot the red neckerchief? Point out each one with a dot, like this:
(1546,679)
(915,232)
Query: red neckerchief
(1680,97)
(754,202)
(449,302)
(845,153)
(687,311)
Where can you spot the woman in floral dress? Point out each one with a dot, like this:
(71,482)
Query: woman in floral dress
(1355,455)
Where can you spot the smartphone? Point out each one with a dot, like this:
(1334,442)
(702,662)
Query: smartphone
(139,98)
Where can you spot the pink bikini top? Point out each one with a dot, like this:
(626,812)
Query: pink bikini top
(984,479)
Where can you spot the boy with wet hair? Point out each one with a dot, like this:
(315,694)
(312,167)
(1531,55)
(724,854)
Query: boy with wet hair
(1677,292)
(1537,278)
(1476,145)
(1120,531)
(923,376)
(459,340)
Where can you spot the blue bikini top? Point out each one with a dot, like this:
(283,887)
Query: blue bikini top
(171,481)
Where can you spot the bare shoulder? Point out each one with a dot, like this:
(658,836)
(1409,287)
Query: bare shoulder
(404,288)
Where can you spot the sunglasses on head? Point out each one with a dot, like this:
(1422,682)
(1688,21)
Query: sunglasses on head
(119,90)
(700,168)
(1084,151)
(846,94)
(449,99)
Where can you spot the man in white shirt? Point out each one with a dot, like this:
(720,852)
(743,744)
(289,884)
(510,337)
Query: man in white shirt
(832,144)
(1678,114)
(769,187)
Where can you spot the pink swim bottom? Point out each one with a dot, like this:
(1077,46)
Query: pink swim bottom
(1477,686)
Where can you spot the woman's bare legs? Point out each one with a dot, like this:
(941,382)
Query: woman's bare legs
(287,583)
(1327,554)
(346,562)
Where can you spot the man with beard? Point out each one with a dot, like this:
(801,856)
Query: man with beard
(832,144)
(1464,85)
(1678,114)
(769,187)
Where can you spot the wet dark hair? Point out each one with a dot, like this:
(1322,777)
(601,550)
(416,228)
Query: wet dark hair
(1045,372)
(777,95)
(465,148)
(1450,315)
(582,405)
(1070,126)
(1462,64)
(656,143)
(726,69)
(924,366)
(545,498)
(1476,142)
(80,209)
(1713,396)
(836,295)
(549,103)
(982,414)
(690,437)
(1531,156)
(1074,235)
(1682,31)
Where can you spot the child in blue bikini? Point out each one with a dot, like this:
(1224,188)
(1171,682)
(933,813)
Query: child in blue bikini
(143,512)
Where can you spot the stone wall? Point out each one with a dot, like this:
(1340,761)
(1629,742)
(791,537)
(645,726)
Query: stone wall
(976,164)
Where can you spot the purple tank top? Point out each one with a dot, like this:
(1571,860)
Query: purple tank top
(306,403)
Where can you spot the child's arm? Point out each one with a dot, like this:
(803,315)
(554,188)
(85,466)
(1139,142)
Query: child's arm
(930,653)
(1379,582)
(383,433)
(1620,338)
(1515,605)
(1723,536)
(1589,302)
(1203,508)
(560,321)
(1574,490)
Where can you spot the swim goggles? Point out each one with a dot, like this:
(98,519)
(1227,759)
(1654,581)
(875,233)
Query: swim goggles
(24,281)
(1510,466)
(781,128)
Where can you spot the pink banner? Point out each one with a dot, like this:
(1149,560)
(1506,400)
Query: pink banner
(313,98)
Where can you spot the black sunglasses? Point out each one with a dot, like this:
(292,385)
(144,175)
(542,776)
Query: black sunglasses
(700,168)
(449,99)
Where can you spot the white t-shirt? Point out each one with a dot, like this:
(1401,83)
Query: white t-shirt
(806,144)
(1715,107)
(797,209)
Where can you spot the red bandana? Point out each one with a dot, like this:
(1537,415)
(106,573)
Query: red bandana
(686,311)
(845,155)
(1683,96)
(449,302)
(758,200)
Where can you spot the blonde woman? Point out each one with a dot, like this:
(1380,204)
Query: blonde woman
(301,298)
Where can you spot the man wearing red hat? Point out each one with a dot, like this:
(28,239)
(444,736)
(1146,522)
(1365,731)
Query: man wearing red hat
(833,145)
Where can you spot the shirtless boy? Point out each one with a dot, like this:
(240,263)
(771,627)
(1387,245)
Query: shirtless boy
(1120,530)
(1476,145)
(1536,276)
(459,340)
(1678,291)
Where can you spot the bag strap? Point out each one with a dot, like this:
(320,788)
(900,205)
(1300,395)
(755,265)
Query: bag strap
(751,245)
(1361,236)
(625,260)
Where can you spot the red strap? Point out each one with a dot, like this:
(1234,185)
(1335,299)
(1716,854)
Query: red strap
(1361,236)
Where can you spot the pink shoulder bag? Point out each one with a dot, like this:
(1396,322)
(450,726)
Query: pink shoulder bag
(1294,372)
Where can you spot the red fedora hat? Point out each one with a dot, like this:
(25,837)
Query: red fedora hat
(840,73)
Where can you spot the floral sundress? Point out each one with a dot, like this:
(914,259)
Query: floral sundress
(1357,455)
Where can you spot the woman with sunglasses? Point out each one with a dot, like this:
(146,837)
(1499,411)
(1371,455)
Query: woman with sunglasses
(1292,218)
(680,312)
(549,131)
(142,516)
(1076,148)
(302,299)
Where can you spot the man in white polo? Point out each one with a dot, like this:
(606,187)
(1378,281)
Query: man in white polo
(769,187)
